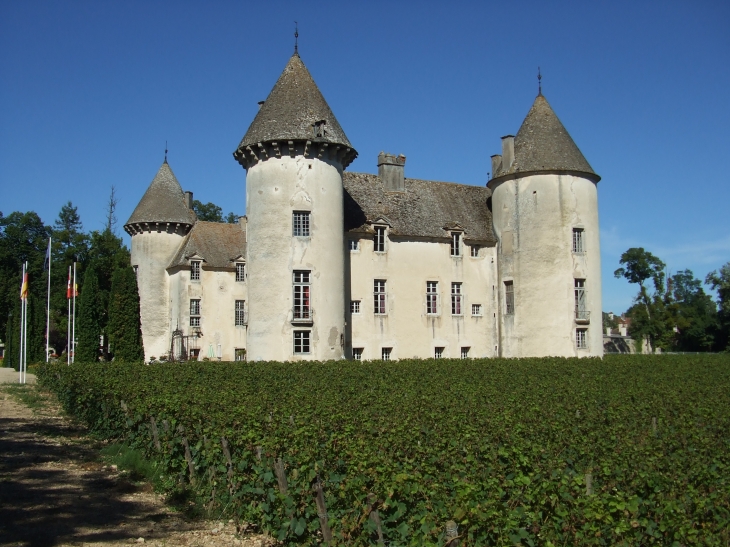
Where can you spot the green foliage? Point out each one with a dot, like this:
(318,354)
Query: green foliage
(212,213)
(88,324)
(502,447)
(125,334)
(639,265)
(692,312)
(132,462)
(719,280)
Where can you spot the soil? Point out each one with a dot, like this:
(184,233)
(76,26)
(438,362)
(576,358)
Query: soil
(56,491)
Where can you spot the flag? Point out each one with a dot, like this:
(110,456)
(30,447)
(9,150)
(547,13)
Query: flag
(24,287)
(76,289)
(68,287)
(47,260)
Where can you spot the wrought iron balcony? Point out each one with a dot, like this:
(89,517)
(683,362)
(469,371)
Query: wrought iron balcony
(582,316)
(303,314)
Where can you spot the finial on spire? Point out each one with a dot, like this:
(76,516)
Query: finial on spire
(296,38)
(539,83)
(165,151)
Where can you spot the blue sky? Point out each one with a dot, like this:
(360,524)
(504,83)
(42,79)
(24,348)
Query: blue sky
(90,92)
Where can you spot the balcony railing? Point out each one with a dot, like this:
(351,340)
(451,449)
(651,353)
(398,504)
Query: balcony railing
(302,315)
(582,316)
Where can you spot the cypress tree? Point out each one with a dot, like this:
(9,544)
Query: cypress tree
(125,333)
(88,327)
(12,337)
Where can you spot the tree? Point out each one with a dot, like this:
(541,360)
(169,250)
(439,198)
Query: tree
(88,325)
(638,266)
(232,218)
(207,211)
(692,311)
(125,333)
(111,208)
(719,280)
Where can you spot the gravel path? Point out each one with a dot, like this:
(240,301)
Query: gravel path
(55,491)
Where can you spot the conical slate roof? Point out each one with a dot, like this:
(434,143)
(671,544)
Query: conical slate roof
(291,110)
(543,144)
(164,201)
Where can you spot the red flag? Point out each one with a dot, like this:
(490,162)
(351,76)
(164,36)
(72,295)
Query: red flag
(68,287)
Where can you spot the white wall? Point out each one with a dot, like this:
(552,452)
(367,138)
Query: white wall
(534,217)
(407,266)
(275,188)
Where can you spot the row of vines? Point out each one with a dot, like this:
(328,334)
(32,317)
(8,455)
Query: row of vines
(631,450)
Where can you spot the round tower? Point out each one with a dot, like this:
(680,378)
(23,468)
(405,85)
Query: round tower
(158,224)
(294,154)
(545,212)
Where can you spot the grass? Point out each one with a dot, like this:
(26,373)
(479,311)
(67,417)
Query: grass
(27,394)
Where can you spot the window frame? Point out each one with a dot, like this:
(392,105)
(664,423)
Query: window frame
(580,291)
(438,352)
(357,354)
(301,295)
(239,313)
(379,239)
(301,224)
(509,298)
(474,251)
(195,312)
(195,270)
(354,245)
(355,307)
(457,299)
(478,307)
(432,298)
(385,354)
(456,244)
(579,245)
(581,338)
(465,352)
(240,272)
(380,297)
(302,342)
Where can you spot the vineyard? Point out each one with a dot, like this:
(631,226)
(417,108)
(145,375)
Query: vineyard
(631,450)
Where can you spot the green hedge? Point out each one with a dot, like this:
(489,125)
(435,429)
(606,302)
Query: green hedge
(502,447)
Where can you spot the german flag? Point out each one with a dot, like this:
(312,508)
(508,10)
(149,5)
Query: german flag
(24,287)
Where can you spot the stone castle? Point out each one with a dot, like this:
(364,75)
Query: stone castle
(329,264)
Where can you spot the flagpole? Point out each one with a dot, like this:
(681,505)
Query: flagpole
(48,302)
(68,321)
(73,328)
(25,325)
(22,331)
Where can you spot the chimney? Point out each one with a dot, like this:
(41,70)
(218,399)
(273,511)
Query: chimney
(189,199)
(496,164)
(508,152)
(391,172)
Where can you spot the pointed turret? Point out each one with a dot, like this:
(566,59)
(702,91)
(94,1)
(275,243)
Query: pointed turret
(542,145)
(163,203)
(294,113)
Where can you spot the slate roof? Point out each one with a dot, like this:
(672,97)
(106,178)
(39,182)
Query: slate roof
(217,243)
(291,109)
(426,208)
(543,144)
(164,201)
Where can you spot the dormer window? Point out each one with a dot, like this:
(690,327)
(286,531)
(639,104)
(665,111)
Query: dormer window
(379,242)
(455,243)
(320,129)
(195,270)
(240,272)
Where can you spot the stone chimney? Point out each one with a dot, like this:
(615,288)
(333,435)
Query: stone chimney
(189,199)
(496,164)
(508,151)
(391,171)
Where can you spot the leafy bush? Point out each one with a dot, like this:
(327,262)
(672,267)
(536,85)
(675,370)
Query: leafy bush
(502,447)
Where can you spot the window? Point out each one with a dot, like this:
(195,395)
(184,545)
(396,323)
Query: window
(357,354)
(465,353)
(240,313)
(379,297)
(355,307)
(456,299)
(379,243)
(194,312)
(509,297)
(195,270)
(135,268)
(240,354)
(300,224)
(475,251)
(354,245)
(194,354)
(476,309)
(240,272)
(301,341)
(385,354)
(302,296)
(581,314)
(455,243)
(578,243)
(581,338)
(438,353)
(432,297)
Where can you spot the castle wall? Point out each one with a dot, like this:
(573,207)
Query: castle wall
(151,253)
(407,328)
(534,218)
(275,188)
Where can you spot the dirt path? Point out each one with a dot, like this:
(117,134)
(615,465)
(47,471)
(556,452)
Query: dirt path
(54,490)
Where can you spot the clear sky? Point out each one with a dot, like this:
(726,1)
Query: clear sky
(91,90)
